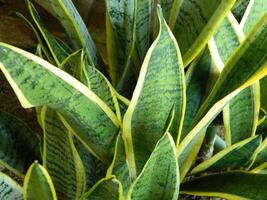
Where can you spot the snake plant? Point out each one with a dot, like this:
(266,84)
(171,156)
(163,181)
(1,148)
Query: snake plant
(176,108)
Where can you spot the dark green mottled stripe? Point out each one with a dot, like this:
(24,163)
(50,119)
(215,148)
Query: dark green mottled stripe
(19,145)
(239,9)
(9,189)
(61,159)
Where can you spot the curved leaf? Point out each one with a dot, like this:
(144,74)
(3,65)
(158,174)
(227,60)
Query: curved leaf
(38,184)
(9,189)
(237,156)
(251,57)
(159,178)
(228,185)
(106,188)
(19,145)
(61,158)
(38,83)
(76,30)
(194,22)
(160,87)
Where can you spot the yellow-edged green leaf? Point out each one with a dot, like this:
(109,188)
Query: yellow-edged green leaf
(229,185)
(106,188)
(38,184)
(38,83)
(19,145)
(254,12)
(194,22)
(160,87)
(9,189)
(58,51)
(77,66)
(251,56)
(237,156)
(61,158)
(120,22)
(119,166)
(159,178)
(240,116)
(76,30)
(261,156)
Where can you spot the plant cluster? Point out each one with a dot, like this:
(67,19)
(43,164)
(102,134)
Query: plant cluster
(176,108)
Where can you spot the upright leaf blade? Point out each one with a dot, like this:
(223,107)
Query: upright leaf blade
(76,29)
(38,184)
(93,123)
(159,178)
(61,158)
(194,22)
(19,145)
(160,87)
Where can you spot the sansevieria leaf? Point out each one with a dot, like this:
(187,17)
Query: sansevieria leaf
(18,144)
(106,188)
(159,178)
(228,185)
(240,116)
(237,156)
(38,184)
(120,22)
(119,166)
(9,189)
(32,79)
(194,22)
(251,56)
(160,87)
(61,158)
(239,9)
(76,29)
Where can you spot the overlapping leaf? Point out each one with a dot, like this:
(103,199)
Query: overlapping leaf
(9,189)
(33,78)
(160,87)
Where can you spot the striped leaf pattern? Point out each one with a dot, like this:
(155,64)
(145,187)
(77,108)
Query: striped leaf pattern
(106,188)
(193,23)
(228,185)
(38,184)
(160,87)
(61,158)
(238,156)
(159,178)
(251,56)
(19,145)
(33,78)
(76,30)
(9,189)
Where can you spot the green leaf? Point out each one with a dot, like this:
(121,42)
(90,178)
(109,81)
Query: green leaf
(120,22)
(240,116)
(61,158)
(261,155)
(143,26)
(193,23)
(9,189)
(38,83)
(239,9)
(120,167)
(160,87)
(38,184)
(77,66)
(76,30)
(159,178)
(251,57)
(254,12)
(237,156)
(58,51)
(229,185)
(106,188)
(19,145)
